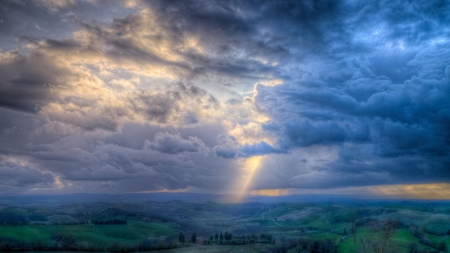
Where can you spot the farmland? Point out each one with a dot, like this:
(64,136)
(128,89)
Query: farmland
(221,227)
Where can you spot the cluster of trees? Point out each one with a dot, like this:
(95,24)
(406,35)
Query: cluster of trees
(379,241)
(64,242)
(12,218)
(420,234)
(222,236)
(37,217)
(158,244)
(27,222)
(69,243)
(64,223)
(10,243)
(15,223)
(182,238)
(227,238)
(110,222)
(414,248)
(302,245)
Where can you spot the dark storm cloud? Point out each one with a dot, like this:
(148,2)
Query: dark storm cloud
(417,108)
(386,112)
(303,133)
(26,81)
(122,160)
(175,26)
(19,175)
(93,158)
(398,134)
(416,23)
(49,18)
(363,99)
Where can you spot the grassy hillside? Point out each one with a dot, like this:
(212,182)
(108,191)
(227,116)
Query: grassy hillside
(89,234)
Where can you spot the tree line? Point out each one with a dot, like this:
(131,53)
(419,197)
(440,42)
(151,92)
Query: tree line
(182,238)
(302,245)
(420,234)
(110,222)
(68,242)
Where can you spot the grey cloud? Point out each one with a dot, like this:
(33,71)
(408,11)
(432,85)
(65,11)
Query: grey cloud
(157,107)
(17,130)
(14,174)
(178,21)
(173,143)
(303,133)
(85,159)
(89,160)
(56,5)
(394,135)
(412,169)
(228,147)
(364,98)
(27,81)
(416,23)
(258,149)
(32,82)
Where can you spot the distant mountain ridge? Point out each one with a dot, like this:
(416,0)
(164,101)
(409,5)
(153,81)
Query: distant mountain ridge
(185,197)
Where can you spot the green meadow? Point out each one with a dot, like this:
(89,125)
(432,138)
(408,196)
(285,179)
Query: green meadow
(91,235)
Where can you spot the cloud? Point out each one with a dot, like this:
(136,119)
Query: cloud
(173,143)
(56,5)
(27,81)
(328,95)
(261,148)
(303,133)
(386,138)
(17,174)
(229,147)
(155,107)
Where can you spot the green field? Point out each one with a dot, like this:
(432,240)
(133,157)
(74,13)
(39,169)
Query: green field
(91,235)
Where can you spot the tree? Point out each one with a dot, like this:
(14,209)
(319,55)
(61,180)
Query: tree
(181,238)
(442,246)
(228,236)
(194,238)
(216,236)
(221,236)
(379,241)
(65,241)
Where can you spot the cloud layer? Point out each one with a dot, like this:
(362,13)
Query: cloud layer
(175,95)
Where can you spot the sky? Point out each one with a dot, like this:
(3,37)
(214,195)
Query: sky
(225,97)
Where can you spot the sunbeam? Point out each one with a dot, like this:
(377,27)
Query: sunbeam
(241,189)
